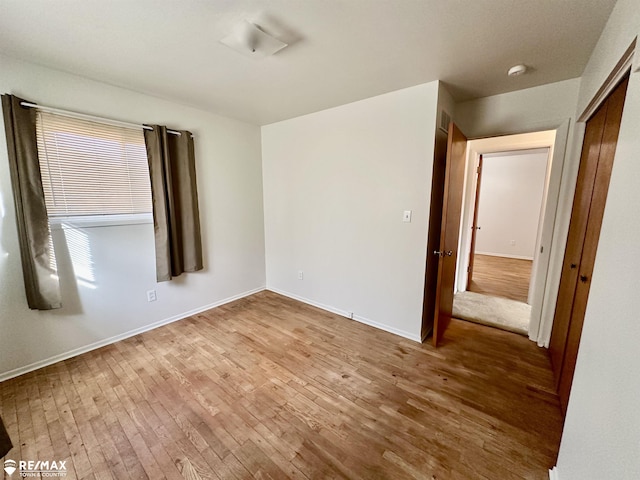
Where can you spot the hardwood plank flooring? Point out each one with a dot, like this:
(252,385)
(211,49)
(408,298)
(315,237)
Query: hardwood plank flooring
(501,277)
(267,387)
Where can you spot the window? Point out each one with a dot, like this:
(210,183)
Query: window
(91,168)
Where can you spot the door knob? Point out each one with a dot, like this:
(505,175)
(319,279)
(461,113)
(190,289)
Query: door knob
(448,253)
(584,278)
(438,253)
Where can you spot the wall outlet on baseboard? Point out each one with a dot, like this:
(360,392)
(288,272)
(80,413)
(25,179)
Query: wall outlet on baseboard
(300,275)
(350,315)
(151,296)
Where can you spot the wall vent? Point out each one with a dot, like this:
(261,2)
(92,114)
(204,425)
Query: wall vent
(445,119)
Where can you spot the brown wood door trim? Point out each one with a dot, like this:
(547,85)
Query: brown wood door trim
(474,225)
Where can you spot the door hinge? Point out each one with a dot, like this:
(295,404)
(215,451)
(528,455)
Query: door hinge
(469,269)
(478,169)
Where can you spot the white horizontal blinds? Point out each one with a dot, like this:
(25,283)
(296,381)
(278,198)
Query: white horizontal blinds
(91,168)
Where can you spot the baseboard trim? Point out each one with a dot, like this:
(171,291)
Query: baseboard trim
(553,474)
(505,255)
(344,313)
(108,341)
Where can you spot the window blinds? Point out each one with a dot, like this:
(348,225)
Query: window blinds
(91,168)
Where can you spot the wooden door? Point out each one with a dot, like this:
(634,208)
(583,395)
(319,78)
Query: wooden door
(447,254)
(592,186)
(435,228)
(575,239)
(474,225)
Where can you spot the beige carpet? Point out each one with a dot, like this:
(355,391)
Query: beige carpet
(493,311)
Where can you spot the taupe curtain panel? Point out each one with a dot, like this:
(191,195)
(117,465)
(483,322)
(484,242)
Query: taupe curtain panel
(38,267)
(5,441)
(175,202)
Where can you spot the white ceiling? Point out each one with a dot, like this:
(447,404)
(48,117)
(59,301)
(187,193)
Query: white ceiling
(340,50)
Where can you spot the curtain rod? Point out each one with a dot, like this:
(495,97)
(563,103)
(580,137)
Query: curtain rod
(84,116)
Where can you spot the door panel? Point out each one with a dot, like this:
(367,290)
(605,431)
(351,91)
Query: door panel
(451,211)
(615,104)
(474,225)
(575,238)
(435,228)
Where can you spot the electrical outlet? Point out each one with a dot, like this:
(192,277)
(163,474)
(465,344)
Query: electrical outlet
(300,275)
(350,315)
(513,243)
(151,296)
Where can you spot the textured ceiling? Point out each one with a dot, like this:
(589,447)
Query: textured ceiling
(340,50)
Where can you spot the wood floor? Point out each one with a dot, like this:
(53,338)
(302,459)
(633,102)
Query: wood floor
(269,388)
(501,277)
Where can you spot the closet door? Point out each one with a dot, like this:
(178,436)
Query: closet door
(590,197)
(576,238)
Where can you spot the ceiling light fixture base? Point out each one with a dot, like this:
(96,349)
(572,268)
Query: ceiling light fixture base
(251,41)
(517,70)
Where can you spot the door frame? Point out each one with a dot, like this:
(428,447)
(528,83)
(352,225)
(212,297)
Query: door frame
(624,65)
(540,293)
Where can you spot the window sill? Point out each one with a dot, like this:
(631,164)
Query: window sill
(91,221)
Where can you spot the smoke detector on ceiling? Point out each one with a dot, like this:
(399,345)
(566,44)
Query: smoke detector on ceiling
(517,70)
(251,41)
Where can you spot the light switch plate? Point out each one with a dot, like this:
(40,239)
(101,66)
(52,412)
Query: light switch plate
(406,216)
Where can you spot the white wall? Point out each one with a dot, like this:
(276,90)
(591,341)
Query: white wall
(510,201)
(601,437)
(122,257)
(446,103)
(336,184)
(529,110)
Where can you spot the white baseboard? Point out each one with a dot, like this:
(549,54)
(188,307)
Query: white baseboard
(108,341)
(505,255)
(344,313)
(553,474)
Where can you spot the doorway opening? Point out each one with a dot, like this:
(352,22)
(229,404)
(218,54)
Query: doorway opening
(507,214)
(508,192)
(506,226)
